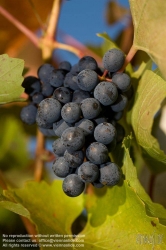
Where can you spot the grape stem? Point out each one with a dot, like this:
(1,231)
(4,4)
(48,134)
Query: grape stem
(32,37)
(39,163)
(128,58)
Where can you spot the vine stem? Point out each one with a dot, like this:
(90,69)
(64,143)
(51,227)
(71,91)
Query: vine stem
(39,163)
(47,42)
(67,47)
(129,57)
(53,21)
(33,38)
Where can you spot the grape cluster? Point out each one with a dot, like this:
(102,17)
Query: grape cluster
(81,105)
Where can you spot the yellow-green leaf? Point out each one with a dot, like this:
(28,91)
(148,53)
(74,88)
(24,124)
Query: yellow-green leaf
(10,79)
(149,18)
(150,93)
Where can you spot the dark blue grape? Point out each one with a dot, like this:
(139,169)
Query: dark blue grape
(44,72)
(113,60)
(79,95)
(106,93)
(32,85)
(97,153)
(47,132)
(60,126)
(105,133)
(71,112)
(120,103)
(37,98)
(28,114)
(57,77)
(61,167)
(86,125)
(74,159)
(87,80)
(73,139)
(122,81)
(87,62)
(110,174)
(90,108)
(74,69)
(99,120)
(47,89)
(65,65)
(49,110)
(88,172)
(62,94)
(97,184)
(118,115)
(70,81)
(58,147)
(72,185)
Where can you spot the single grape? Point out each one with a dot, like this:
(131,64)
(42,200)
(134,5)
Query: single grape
(110,174)
(47,132)
(65,65)
(47,90)
(71,112)
(70,81)
(79,95)
(61,167)
(44,72)
(99,120)
(118,115)
(113,60)
(42,122)
(105,133)
(74,159)
(106,93)
(86,125)
(37,98)
(90,108)
(87,62)
(122,81)
(74,69)
(73,138)
(32,85)
(88,172)
(60,126)
(62,94)
(72,185)
(97,153)
(50,110)
(87,79)
(28,114)
(57,77)
(58,147)
(97,184)
(120,103)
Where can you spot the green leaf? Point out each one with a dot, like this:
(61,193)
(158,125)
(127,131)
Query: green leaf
(150,93)
(118,217)
(47,206)
(149,18)
(10,79)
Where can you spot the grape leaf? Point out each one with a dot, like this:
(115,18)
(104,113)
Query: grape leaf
(10,79)
(47,206)
(150,93)
(118,217)
(149,18)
